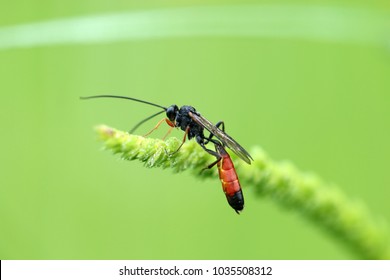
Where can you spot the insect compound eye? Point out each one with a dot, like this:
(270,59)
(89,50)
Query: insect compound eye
(172,112)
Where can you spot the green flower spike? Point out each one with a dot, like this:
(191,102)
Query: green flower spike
(322,203)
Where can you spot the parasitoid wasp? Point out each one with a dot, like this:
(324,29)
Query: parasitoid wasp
(193,124)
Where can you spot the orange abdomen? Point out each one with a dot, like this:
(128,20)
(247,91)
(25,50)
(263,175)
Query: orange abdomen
(230,183)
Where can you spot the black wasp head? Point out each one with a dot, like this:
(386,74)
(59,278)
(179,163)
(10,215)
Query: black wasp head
(172,112)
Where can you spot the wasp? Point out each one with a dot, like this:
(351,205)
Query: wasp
(188,119)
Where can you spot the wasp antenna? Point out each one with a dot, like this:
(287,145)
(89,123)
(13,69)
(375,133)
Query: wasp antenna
(145,120)
(123,97)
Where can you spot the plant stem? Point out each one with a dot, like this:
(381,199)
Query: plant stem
(322,203)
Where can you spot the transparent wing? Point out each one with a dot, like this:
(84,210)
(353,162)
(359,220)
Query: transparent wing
(223,137)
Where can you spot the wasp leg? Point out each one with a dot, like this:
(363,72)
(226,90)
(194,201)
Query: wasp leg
(184,139)
(202,143)
(211,152)
(157,126)
(143,121)
(169,131)
(218,124)
(211,165)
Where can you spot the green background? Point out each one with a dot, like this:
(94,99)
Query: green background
(323,105)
